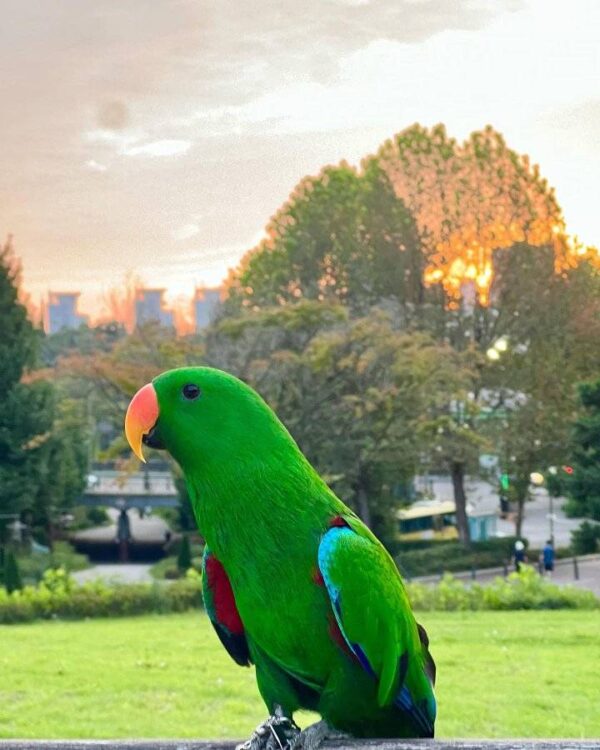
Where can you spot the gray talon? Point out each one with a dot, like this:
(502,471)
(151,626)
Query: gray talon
(278,732)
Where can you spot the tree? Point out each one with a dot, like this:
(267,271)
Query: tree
(451,440)
(545,322)
(351,392)
(341,236)
(583,486)
(83,340)
(25,408)
(469,200)
(110,378)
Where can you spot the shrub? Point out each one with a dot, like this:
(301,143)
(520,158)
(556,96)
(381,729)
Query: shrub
(184,557)
(58,596)
(63,555)
(419,558)
(97,516)
(586,539)
(524,590)
(11,575)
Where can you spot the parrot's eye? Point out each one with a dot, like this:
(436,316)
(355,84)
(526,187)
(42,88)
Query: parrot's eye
(190,391)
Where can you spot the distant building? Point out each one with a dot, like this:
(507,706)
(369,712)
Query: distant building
(62,312)
(206,303)
(149,307)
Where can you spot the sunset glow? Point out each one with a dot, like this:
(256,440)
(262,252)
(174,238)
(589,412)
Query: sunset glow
(161,142)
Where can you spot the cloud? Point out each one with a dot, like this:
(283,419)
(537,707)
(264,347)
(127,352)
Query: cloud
(256,96)
(186,231)
(95,165)
(166,147)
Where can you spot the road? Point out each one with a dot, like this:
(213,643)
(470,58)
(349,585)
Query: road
(483,497)
(148,529)
(123,573)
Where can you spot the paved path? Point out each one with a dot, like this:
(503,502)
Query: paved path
(118,573)
(150,529)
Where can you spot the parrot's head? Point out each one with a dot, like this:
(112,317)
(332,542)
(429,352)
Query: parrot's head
(204,418)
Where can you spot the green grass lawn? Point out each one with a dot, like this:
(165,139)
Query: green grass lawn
(510,674)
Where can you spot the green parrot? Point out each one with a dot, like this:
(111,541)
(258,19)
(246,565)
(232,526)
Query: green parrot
(293,581)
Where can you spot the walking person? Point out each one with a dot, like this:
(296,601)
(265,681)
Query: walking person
(519,555)
(548,555)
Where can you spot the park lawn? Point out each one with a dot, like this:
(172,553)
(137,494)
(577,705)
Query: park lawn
(509,674)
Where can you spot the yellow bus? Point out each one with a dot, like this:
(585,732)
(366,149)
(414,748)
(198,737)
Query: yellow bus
(427,519)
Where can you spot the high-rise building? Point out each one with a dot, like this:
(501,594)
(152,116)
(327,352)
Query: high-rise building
(149,306)
(62,311)
(206,302)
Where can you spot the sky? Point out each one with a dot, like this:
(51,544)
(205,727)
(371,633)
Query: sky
(158,138)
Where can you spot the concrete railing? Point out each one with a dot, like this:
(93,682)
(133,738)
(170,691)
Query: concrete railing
(526,744)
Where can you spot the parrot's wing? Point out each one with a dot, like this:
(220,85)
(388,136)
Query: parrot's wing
(374,616)
(220,606)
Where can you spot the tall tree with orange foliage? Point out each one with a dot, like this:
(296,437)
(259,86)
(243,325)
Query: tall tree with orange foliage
(469,200)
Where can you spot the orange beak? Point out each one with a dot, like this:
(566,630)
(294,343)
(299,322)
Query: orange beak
(142,414)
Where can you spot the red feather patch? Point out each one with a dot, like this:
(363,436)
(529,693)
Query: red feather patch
(317,577)
(338,521)
(224,604)
(337,637)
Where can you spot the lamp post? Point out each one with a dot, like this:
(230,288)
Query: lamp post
(553,471)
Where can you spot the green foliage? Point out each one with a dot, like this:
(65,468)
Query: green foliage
(353,392)
(441,557)
(83,340)
(58,596)
(586,539)
(524,590)
(583,485)
(343,235)
(168,570)
(62,555)
(25,409)
(39,431)
(19,341)
(97,516)
(11,575)
(184,556)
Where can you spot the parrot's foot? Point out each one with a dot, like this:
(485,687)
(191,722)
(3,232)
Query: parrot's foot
(315,735)
(278,732)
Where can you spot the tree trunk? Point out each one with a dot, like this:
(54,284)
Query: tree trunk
(460,500)
(519,517)
(363,505)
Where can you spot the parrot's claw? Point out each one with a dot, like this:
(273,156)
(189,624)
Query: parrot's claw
(315,735)
(278,732)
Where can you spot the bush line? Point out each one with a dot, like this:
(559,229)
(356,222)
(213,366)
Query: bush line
(58,596)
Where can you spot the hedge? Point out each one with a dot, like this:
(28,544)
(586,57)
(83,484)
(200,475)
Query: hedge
(524,590)
(58,596)
(423,558)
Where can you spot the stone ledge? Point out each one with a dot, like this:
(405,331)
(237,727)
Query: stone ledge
(513,744)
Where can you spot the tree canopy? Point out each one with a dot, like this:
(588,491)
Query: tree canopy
(468,200)
(342,235)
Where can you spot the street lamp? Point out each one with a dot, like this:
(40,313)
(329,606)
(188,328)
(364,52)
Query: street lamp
(500,346)
(553,471)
